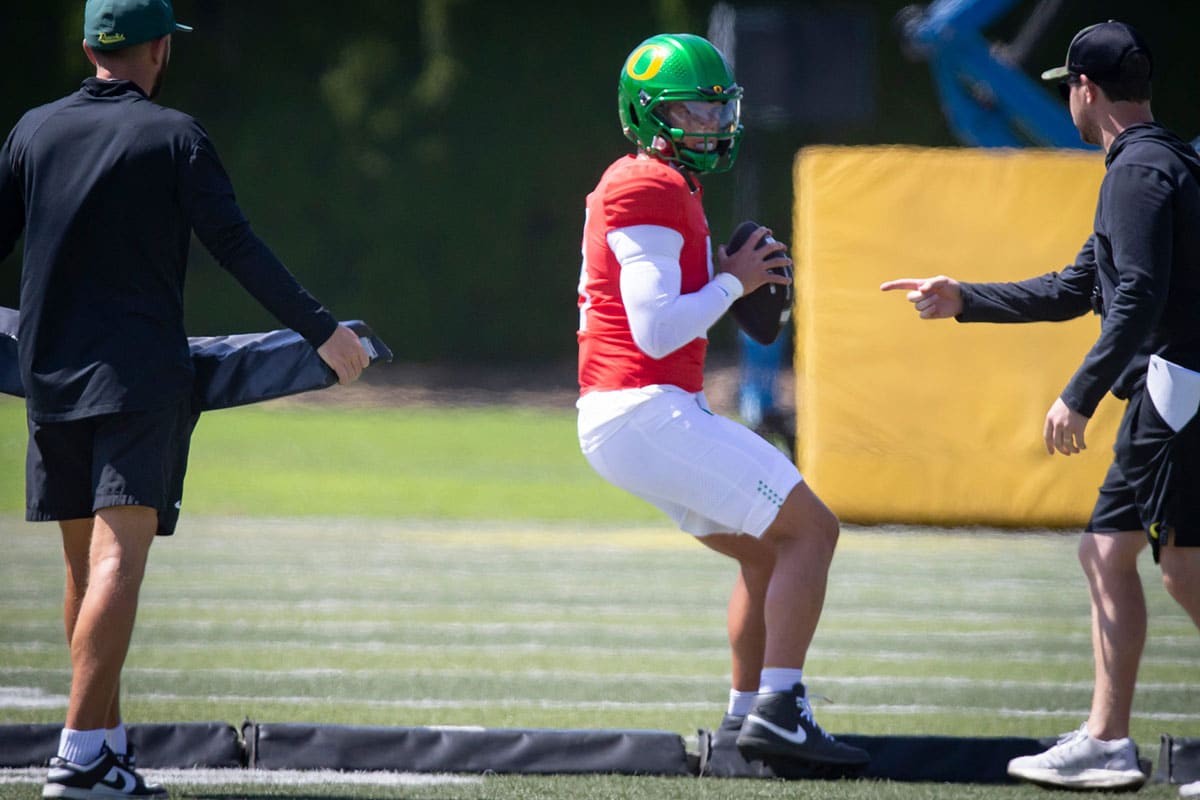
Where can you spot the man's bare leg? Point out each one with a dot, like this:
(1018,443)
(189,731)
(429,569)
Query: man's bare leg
(1100,755)
(777,601)
(780,724)
(746,619)
(77,539)
(804,535)
(100,632)
(1118,626)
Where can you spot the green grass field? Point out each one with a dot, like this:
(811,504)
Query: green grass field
(309,460)
(464,567)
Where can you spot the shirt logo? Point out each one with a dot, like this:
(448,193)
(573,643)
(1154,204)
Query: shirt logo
(111,38)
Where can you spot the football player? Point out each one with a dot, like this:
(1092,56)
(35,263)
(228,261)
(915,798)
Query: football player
(647,296)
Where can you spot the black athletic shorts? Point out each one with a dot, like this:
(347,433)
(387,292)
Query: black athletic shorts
(1154,481)
(134,458)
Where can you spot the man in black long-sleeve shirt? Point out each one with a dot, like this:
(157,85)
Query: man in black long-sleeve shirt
(1140,269)
(108,187)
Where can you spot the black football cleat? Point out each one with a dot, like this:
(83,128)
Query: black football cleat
(780,725)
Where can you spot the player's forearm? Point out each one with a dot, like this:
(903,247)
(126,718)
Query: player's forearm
(664,324)
(1053,297)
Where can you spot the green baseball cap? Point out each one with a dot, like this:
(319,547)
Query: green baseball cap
(113,24)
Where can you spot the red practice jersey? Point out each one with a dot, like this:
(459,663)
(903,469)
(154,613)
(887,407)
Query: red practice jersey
(637,191)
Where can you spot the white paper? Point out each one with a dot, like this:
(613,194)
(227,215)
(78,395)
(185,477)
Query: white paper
(1174,390)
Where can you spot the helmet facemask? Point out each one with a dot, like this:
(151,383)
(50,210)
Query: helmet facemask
(701,134)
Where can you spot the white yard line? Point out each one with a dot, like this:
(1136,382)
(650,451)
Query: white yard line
(554,608)
(957,656)
(281,777)
(570,676)
(630,629)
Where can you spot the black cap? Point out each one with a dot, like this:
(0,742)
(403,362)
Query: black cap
(1101,52)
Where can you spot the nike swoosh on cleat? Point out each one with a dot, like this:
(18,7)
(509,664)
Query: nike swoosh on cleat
(797,736)
(122,781)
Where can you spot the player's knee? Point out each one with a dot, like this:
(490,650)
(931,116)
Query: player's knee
(823,531)
(818,526)
(1110,561)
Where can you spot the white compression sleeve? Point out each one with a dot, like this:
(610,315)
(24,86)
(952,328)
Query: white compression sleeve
(660,318)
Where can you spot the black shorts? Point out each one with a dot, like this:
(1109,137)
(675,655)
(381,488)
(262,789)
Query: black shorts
(1154,481)
(133,458)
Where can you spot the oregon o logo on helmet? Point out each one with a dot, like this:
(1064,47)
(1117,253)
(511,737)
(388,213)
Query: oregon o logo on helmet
(718,89)
(657,56)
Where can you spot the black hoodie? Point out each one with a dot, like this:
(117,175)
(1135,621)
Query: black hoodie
(1140,269)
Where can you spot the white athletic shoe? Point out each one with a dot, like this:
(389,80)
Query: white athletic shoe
(1078,761)
(1190,789)
(107,777)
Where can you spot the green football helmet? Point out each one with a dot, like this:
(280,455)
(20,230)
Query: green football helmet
(677,99)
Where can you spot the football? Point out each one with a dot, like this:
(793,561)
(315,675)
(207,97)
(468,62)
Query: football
(762,313)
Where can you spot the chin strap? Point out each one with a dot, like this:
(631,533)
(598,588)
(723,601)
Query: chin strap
(691,182)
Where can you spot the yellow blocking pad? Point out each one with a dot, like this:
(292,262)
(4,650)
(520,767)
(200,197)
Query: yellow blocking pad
(933,421)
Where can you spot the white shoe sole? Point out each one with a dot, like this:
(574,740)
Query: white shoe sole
(59,792)
(1081,779)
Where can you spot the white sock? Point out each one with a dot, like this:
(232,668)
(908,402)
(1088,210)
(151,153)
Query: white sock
(740,702)
(80,747)
(116,740)
(779,679)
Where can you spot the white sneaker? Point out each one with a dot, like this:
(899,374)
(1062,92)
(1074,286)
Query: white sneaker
(1078,761)
(1190,789)
(107,777)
